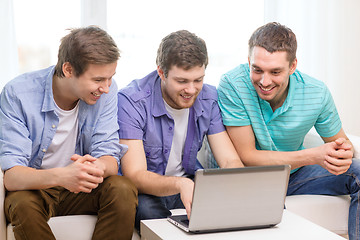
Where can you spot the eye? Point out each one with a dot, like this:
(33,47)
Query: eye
(276,72)
(256,70)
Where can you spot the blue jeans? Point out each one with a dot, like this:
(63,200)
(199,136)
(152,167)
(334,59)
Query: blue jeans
(314,179)
(152,207)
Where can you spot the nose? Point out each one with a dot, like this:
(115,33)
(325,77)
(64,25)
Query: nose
(190,88)
(105,85)
(265,80)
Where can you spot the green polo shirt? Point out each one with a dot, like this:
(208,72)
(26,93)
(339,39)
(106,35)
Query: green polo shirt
(308,103)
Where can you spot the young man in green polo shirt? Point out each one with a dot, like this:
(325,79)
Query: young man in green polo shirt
(268,107)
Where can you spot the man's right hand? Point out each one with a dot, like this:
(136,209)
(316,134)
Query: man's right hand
(186,189)
(82,175)
(337,156)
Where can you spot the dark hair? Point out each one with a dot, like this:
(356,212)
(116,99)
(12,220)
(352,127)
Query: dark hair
(274,37)
(84,46)
(182,49)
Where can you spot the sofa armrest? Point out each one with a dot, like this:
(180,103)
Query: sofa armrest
(312,139)
(2,214)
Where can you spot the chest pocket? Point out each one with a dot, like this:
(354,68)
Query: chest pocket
(154,159)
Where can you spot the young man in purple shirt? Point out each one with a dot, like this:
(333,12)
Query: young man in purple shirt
(164,118)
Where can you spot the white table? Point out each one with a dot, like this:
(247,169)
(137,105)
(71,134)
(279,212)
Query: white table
(291,227)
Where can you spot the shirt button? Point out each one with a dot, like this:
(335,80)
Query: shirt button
(170,128)
(165,151)
(53,126)
(44,150)
(147,154)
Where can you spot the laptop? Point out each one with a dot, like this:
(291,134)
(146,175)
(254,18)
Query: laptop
(236,199)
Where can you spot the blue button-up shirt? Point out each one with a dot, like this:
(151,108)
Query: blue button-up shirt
(142,115)
(28,122)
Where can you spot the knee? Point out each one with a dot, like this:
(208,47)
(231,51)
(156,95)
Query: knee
(120,187)
(151,207)
(22,203)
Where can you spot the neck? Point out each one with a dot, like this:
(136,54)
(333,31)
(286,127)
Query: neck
(62,95)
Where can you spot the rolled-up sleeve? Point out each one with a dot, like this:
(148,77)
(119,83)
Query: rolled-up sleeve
(15,144)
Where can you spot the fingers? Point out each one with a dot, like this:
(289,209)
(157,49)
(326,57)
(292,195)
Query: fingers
(188,210)
(83,159)
(337,166)
(342,143)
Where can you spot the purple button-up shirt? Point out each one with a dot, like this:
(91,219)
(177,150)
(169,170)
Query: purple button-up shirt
(142,115)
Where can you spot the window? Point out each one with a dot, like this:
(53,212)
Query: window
(139,25)
(39,26)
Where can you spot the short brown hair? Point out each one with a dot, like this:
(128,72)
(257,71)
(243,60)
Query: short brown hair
(84,46)
(182,49)
(274,37)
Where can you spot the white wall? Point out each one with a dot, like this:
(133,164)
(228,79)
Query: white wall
(328,34)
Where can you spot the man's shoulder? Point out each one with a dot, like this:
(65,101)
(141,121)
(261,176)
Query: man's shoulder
(307,81)
(140,88)
(30,81)
(240,72)
(208,92)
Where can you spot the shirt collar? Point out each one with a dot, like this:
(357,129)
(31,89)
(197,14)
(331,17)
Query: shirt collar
(48,102)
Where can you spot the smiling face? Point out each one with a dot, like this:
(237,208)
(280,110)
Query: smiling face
(88,87)
(181,87)
(269,74)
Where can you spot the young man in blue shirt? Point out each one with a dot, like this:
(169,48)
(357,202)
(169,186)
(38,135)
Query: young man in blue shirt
(164,118)
(59,145)
(268,107)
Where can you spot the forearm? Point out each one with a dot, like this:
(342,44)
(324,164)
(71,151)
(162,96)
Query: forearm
(294,158)
(26,178)
(111,165)
(158,185)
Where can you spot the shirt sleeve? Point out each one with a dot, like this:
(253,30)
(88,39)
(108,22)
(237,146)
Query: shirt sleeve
(232,107)
(15,144)
(328,123)
(131,118)
(105,139)
(216,124)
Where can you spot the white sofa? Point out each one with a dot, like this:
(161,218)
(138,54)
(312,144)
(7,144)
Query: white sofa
(330,212)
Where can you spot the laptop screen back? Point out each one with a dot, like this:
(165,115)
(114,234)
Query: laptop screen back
(238,198)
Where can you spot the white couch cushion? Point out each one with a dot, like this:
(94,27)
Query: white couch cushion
(77,227)
(330,212)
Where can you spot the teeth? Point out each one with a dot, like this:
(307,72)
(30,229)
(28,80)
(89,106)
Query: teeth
(186,96)
(96,95)
(265,89)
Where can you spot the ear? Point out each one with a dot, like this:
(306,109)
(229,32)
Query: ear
(67,69)
(161,73)
(293,66)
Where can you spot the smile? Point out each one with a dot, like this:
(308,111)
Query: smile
(187,97)
(266,89)
(96,95)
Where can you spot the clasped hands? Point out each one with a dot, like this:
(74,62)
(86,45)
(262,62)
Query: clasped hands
(337,156)
(84,174)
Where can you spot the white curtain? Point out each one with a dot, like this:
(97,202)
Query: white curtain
(328,34)
(8,47)
(93,12)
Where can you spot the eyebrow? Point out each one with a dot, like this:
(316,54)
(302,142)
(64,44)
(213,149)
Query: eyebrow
(101,77)
(273,69)
(186,79)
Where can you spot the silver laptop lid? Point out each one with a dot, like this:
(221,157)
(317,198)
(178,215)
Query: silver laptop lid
(238,197)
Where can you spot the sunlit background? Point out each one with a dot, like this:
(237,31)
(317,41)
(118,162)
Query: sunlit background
(328,34)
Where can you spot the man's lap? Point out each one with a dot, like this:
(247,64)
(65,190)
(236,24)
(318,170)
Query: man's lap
(313,179)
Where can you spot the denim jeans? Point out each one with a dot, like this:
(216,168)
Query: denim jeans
(314,179)
(152,207)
